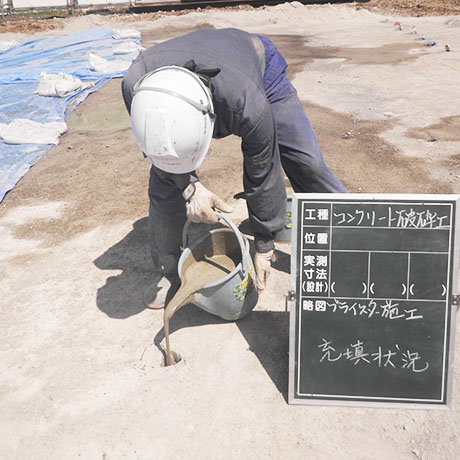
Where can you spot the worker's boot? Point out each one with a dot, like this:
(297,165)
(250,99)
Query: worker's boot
(160,291)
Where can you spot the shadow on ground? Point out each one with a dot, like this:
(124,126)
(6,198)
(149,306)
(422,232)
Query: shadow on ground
(267,334)
(122,295)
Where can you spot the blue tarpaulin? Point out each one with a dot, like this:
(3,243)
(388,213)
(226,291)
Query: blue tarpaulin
(20,73)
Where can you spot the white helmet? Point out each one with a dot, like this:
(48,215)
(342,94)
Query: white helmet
(172,117)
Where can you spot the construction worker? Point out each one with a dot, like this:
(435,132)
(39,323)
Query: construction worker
(211,83)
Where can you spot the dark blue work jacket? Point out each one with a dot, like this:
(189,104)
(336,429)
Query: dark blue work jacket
(241,98)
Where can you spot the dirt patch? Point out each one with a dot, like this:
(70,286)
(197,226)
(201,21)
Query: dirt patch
(393,53)
(448,129)
(452,165)
(297,52)
(363,161)
(413,7)
(28,25)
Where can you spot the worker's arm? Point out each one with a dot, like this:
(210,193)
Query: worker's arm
(201,203)
(136,70)
(179,181)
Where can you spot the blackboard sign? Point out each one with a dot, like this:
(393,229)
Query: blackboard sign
(374,278)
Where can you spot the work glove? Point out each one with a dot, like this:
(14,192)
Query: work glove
(203,204)
(262,262)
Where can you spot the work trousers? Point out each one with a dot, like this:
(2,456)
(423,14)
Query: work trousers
(300,154)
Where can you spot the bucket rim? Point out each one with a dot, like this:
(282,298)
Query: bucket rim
(227,277)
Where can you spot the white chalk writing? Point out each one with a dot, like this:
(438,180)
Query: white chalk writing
(356,353)
(393,217)
(387,309)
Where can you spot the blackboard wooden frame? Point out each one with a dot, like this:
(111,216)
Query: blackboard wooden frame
(368,206)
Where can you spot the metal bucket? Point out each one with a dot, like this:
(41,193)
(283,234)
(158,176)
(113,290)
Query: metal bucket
(235,295)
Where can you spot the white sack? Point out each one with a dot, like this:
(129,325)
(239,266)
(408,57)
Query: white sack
(127,47)
(120,34)
(5,46)
(101,65)
(24,131)
(61,85)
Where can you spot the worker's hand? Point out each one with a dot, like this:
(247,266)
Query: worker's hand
(203,204)
(262,262)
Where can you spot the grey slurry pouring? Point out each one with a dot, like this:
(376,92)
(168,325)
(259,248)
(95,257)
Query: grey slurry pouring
(217,275)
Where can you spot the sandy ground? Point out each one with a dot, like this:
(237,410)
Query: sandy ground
(82,366)
(413,7)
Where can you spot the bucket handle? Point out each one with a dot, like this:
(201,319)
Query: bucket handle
(245,261)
